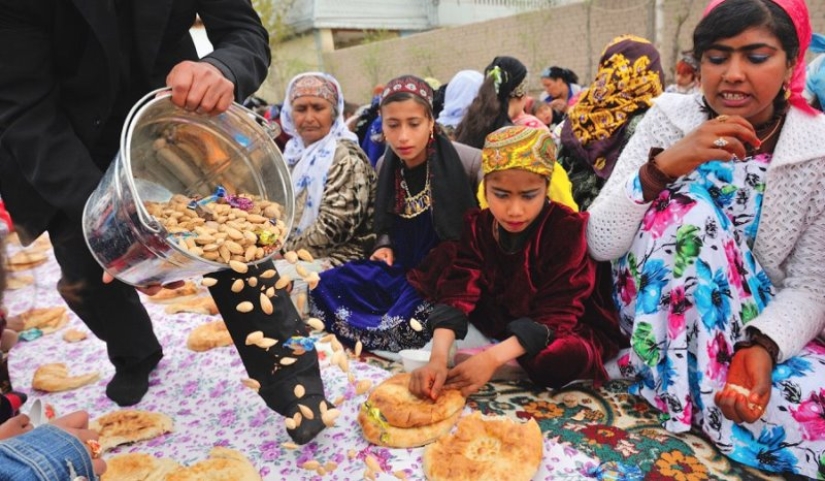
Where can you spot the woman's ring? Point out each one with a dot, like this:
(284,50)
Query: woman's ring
(94,448)
(722,118)
(720,142)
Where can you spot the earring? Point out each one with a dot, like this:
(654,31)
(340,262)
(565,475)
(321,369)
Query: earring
(787,93)
(432,134)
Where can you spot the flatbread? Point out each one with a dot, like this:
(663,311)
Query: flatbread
(55,378)
(486,448)
(187,290)
(47,319)
(73,335)
(138,467)
(223,464)
(403,409)
(129,426)
(19,281)
(209,336)
(26,259)
(377,431)
(196,305)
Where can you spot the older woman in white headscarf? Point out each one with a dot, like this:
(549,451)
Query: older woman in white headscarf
(333,180)
(461,90)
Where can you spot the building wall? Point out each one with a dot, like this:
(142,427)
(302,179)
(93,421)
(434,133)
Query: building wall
(571,36)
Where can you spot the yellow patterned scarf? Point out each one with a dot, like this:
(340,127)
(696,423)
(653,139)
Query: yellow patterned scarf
(629,78)
(519,147)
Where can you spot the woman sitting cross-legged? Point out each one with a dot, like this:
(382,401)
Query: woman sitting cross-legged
(714,217)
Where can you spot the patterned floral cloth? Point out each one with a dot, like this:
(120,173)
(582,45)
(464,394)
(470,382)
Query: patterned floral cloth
(686,290)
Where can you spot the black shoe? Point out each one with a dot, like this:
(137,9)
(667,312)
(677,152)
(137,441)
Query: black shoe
(129,385)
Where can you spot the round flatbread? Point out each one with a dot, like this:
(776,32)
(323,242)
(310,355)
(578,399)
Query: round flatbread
(55,377)
(195,305)
(19,281)
(486,448)
(403,409)
(138,467)
(223,464)
(209,336)
(129,426)
(377,431)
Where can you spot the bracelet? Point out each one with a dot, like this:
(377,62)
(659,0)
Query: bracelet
(759,339)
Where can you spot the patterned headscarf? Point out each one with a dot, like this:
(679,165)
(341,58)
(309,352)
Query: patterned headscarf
(797,10)
(461,90)
(510,76)
(310,163)
(517,147)
(629,78)
(409,84)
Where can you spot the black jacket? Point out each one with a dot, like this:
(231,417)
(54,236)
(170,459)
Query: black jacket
(59,77)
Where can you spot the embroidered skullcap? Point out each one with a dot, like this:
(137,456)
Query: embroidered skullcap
(314,86)
(409,84)
(519,147)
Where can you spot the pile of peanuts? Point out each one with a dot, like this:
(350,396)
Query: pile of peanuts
(221,232)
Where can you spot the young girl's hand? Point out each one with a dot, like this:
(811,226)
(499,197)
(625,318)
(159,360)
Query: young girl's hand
(470,375)
(383,254)
(427,381)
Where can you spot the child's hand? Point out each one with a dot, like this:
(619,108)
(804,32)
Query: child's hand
(470,375)
(427,381)
(383,254)
(77,424)
(15,426)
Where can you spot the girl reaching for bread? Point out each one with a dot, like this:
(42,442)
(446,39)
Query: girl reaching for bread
(521,275)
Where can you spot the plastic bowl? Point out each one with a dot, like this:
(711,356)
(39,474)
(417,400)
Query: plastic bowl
(412,359)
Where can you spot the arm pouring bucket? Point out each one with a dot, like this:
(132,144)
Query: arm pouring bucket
(166,150)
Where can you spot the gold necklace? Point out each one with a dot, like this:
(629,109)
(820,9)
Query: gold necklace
(414,205)
(773,131)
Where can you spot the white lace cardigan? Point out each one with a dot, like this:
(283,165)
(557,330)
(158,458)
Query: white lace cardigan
(790,242)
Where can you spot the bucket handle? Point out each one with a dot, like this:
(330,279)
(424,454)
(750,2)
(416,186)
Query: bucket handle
(147,220)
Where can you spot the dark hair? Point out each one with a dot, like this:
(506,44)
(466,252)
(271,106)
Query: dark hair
(403,96)
(733,17)
(481,116)
(567,75)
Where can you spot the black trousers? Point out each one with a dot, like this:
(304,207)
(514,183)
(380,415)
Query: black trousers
(112,311)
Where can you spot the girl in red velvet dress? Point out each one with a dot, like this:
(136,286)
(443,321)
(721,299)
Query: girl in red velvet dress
(522,276)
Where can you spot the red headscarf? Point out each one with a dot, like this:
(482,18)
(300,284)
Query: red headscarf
(797,10)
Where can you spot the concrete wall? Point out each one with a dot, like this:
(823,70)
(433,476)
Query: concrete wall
(571,36)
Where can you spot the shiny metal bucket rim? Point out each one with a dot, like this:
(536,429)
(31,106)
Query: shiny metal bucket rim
(147,220)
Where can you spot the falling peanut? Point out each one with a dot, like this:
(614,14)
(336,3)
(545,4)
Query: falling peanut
(238,267)
(254,337)
(416,325)
(251,384)
(306,411)
(245,307)
(299,391)
(304,255)
(208,281)
(266,304)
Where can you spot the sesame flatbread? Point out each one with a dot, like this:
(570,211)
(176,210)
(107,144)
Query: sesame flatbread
(19,281)
(209,336)
(138,467)
(377,431)
(403,409)
(55,378)
(486,448)
(196,305)
(223,464)
(187,290)
(129,426)
(26,260)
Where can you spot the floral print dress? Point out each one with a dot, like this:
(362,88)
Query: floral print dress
(686,290)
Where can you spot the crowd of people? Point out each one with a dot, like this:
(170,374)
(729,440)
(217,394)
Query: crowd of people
(675,230)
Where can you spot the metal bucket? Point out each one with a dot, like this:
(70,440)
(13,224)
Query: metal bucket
(230,150)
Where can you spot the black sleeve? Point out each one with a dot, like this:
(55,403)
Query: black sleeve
(532,336)
(447,317)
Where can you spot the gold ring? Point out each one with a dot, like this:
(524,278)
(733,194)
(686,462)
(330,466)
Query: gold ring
(94,448)
(722,118)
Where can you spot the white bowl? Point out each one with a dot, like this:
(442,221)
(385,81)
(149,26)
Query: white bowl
(412,359)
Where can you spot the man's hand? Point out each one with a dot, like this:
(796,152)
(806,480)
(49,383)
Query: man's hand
(750,369)
(472,374)
(201,87)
